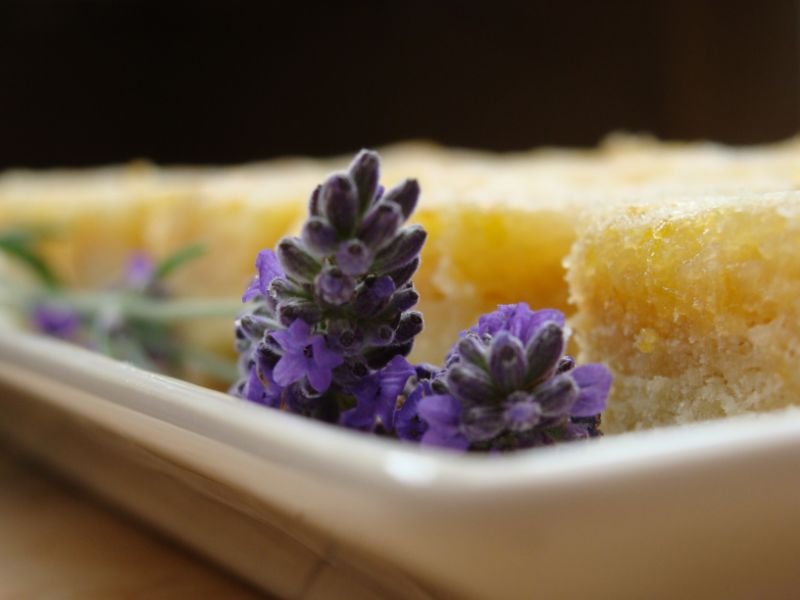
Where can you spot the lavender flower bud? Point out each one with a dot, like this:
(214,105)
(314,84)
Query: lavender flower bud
(242,342)
(339,201)
(343,335)
(507,362)
(266,357)
(319,236)
(557,396)
(281,289)
(405,248)
(313,202)
(403,300)
(380,225)
(378,356)
(297,308)
(271,344)
(373,295)
(253,326)
(481,423)
(333,286)
(404,274)
(337,311)
(365,171)
(410,325)
(566,363)
(354,258)
(544,351)
(472,350)
(350,372)
(405,196)
(522,412)
(469,384)
(296,261)
(426,370)
(381,335)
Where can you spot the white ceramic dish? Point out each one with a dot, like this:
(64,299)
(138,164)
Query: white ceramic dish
(306,510)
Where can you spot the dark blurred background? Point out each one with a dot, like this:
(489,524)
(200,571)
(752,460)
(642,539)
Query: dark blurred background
(227,81)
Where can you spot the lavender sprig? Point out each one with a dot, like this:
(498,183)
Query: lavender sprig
(134,321)
(507,384)
(332,320)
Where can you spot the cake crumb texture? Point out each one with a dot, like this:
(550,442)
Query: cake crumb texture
(693,303)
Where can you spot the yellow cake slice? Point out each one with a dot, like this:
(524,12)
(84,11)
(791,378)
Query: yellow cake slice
(694,304)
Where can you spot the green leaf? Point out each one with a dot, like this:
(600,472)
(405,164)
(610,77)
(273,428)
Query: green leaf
(17,246)
(29,234)
(179,258)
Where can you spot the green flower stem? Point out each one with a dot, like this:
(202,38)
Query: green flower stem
(126,304)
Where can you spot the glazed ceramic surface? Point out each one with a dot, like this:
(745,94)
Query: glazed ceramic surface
(711,509)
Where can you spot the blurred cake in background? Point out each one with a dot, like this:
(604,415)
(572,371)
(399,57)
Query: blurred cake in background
(500,227)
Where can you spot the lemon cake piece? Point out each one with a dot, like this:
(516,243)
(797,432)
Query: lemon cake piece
(694,304)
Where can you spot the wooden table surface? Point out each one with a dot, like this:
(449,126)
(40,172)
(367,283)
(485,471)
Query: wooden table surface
(56,541)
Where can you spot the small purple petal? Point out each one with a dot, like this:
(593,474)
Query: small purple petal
(439,410)
(295,338)
(362,416)
(594,383)
(354,258)
(445,438)
(334,286)
(407,423)
(538,319)
(253,389)
(253,290)
(393,378)
(481,423)
(323,356)
(140,271)
(517,319)
(557,396)
(290,368)
(320,378)
(58,321)
(256,391)
(267,268)
(523,415)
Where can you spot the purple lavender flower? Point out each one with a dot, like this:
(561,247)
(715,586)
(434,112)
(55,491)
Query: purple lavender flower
(140,271)
(59,321)
(260,389)
(507,385)
(408,425)
(376,397)
(442,413)
(331,319)
(304,355)
(267,269)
